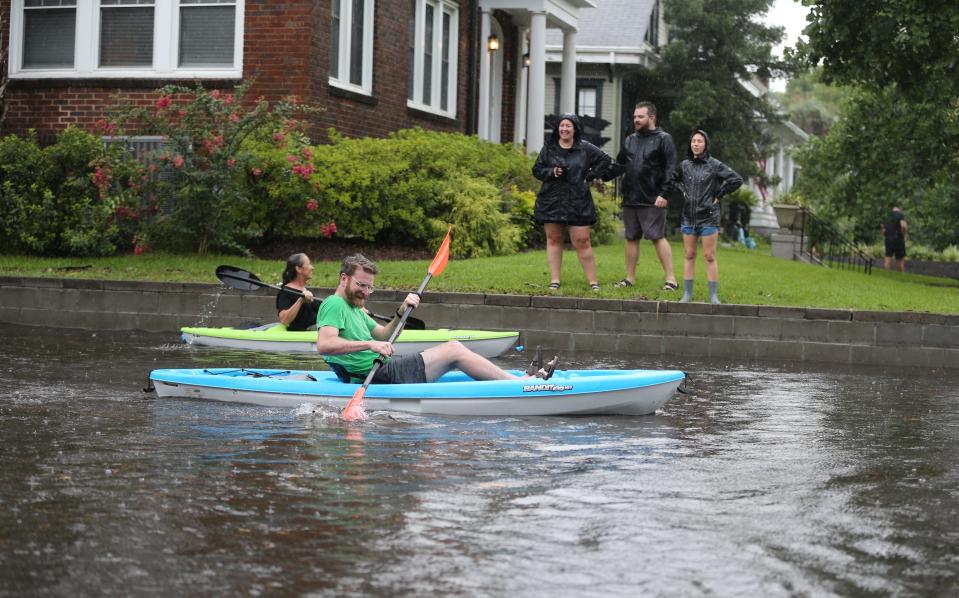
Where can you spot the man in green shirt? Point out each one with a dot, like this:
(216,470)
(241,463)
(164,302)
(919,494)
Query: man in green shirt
(350,341)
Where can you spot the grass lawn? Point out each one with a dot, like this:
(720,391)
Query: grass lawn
(746,276)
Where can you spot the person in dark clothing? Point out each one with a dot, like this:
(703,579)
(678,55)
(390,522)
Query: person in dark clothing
(296,312)
(566,165)
(895,229)
(647,159)
(703,181)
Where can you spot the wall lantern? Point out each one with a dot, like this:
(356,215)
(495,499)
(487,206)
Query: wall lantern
(492,44)
(526,59)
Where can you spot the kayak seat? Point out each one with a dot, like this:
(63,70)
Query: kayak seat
(343,375)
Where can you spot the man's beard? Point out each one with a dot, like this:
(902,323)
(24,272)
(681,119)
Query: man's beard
(355,298)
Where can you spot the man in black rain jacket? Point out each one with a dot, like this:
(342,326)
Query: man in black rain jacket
(646,161)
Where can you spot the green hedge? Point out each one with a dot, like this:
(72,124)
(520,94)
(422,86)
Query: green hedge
(80,197)
(50,198)
(405,189)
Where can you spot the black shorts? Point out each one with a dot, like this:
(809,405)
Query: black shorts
(896,248)
(408,369)
(644,222)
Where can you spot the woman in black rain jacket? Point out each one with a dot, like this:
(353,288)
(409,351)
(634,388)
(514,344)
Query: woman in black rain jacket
(703,181)
(566,165)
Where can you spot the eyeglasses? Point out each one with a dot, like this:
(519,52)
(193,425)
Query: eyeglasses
(363,286)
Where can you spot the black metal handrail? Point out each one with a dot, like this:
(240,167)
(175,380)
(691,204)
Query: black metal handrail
(828,246)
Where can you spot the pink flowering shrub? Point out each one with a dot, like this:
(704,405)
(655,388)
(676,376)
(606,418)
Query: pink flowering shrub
(201,186)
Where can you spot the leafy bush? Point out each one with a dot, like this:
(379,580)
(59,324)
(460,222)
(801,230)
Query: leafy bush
(55,200)
(481,228)
(607,208)
(24,196)
(950,254)
(404,189)
(228,176)
(918,251)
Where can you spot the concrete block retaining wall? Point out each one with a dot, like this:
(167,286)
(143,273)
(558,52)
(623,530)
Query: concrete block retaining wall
(942,269)
(747,332)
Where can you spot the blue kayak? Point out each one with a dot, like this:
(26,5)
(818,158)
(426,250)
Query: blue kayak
(568,392)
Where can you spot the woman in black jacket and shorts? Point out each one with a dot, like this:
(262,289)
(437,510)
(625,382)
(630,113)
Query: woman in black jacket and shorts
(566,165)
(703,180)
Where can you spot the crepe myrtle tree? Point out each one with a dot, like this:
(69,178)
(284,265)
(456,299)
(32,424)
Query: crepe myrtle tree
(199,183)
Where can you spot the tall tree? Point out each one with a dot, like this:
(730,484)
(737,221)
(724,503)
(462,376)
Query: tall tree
(883,152)
(911,44)
(894,143)
(714,48)
(810,103)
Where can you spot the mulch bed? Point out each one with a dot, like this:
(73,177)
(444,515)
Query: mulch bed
(334,250)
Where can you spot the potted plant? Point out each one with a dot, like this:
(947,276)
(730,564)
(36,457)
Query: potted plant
(789,210)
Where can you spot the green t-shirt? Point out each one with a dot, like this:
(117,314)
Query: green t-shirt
(354,325)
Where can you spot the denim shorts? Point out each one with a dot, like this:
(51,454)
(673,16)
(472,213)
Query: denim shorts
(700,231)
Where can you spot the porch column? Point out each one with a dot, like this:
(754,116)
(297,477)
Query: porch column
(536,105)
(482,124)
(780,170)
(567,93)
(519,119)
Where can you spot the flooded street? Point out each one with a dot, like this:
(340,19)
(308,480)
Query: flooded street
(770,479)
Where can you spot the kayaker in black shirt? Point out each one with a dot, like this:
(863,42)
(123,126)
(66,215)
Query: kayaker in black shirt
(297,312)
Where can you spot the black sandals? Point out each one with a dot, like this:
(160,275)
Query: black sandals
(547,370)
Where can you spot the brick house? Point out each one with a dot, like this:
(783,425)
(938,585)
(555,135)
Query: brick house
(374,66)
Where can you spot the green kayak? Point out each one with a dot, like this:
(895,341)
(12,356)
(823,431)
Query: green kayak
(275,337)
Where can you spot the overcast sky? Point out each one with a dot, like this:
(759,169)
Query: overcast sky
(791,15)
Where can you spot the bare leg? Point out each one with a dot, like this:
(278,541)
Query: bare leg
(665,253)
(632,257)
(454,355)
(887,263)
(579,235)
(901,265)
(555,235)
(709,254)
(689,261)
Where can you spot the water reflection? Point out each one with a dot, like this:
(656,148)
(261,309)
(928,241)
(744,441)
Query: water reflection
(768,480)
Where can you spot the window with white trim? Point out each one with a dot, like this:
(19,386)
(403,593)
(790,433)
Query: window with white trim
(351,45)
(432,56)
(126,38)
(586,101)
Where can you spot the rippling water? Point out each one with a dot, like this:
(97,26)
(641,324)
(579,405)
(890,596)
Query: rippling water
(769,480)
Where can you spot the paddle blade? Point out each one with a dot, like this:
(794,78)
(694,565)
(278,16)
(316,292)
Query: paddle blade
(238,279)
(442,256)
(354,409)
